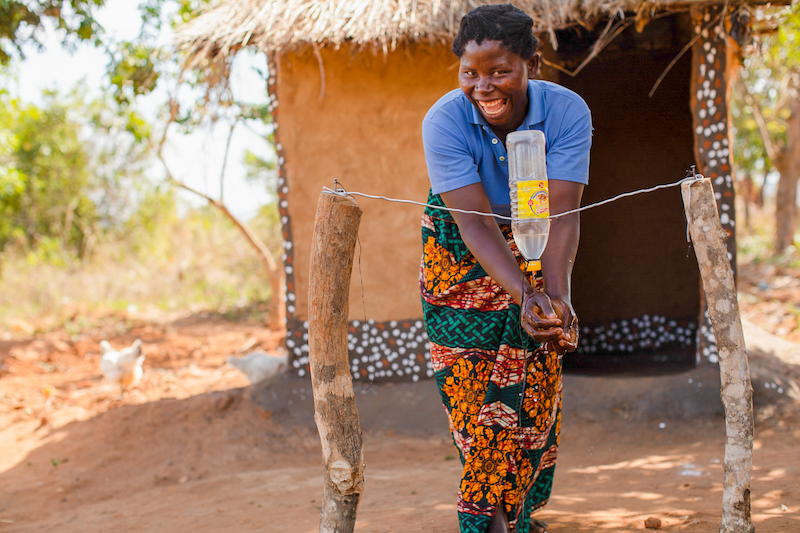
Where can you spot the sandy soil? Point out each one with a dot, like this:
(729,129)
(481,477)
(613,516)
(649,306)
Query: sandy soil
(193,448)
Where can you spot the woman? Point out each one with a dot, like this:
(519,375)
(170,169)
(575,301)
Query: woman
(487,326)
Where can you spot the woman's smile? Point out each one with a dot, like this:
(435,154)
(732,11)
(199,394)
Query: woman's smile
(493,108)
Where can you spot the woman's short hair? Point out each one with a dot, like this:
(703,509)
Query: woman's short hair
(497,22)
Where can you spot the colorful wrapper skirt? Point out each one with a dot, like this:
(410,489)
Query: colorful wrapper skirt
(501,390)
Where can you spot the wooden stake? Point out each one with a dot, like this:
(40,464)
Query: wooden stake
(708,238)
(332,247)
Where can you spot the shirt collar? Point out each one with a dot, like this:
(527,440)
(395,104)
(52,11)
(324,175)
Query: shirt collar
(536,112)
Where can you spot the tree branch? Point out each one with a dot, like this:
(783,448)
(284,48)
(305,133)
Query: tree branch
(772,152)
(225,161)
(249,234)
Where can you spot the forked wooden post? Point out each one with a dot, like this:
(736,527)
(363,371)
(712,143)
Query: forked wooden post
(723,310)
(332,247)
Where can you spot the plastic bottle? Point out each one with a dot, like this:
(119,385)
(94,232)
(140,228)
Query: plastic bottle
(530,202)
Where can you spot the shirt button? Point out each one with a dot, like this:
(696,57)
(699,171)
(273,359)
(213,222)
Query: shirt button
(502,158)
(494,141)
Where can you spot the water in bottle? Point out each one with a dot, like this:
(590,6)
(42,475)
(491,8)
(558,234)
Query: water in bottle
(530,202)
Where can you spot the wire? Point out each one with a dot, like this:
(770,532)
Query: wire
(341,192)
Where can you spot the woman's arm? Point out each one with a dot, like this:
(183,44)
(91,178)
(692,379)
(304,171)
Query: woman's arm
(486,242)
(559,256)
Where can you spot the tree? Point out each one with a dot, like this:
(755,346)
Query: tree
(194,98)
(22,23)
(770,89)
(137,67)
(68,169)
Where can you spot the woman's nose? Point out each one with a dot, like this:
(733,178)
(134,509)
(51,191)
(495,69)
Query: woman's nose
(484,85)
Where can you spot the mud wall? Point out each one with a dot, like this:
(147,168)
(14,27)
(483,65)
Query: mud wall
(365,130)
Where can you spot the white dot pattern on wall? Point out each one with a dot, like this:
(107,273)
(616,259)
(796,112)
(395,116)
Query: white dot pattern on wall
(709,87)
(400,351)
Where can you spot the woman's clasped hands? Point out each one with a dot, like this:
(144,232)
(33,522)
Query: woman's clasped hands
(543,319)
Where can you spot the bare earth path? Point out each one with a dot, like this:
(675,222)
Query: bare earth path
(194,449)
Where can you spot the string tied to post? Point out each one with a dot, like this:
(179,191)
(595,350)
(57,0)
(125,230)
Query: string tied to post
(691,176)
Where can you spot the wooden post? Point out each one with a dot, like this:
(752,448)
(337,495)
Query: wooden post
(332,247)
(708,238)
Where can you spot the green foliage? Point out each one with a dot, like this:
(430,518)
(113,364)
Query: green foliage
(133,70)
(770,75)
(21,23)
(260,170)
(70,170)
(44,175)
(82,218)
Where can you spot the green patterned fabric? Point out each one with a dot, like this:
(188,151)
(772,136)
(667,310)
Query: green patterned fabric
(501,390)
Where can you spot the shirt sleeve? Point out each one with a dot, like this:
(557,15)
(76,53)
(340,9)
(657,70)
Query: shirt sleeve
(568,155)
(450,163)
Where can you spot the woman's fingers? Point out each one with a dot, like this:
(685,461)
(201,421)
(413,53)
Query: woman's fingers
(542,329)
(539,319)
(563,308)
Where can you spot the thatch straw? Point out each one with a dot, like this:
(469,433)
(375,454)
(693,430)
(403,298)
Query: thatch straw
(285,25)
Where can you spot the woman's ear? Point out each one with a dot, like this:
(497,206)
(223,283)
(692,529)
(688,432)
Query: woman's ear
(533,67)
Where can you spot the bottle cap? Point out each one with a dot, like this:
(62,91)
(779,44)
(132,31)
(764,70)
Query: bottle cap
(533,266)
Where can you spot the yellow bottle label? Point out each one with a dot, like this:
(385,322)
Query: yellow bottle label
(533,199)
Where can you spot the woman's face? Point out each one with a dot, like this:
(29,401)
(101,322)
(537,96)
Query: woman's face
(496,82)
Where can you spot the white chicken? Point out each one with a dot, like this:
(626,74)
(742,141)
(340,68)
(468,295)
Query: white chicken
(123,367)
(258,365)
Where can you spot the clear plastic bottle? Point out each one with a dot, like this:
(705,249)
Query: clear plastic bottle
(530,202)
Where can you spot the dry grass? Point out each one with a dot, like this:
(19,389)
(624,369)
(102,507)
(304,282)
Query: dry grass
(284,25)
(200,263)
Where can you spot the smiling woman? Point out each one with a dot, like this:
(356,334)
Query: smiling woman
(496,343)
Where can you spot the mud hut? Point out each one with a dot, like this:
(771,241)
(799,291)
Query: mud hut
(349,83)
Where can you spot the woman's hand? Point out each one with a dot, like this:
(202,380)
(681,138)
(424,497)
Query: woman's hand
(539,319)
(564,310)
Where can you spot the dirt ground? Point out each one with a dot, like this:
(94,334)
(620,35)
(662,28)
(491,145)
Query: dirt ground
(194,448)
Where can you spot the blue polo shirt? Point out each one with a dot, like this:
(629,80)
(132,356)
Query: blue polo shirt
(461,148)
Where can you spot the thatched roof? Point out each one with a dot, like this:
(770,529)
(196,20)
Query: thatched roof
(284,25)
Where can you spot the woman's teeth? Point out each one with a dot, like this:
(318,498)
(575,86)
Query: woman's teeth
(493,107)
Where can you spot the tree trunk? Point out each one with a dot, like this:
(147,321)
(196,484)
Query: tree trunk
(708,239)
(332,248)
(788,165)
